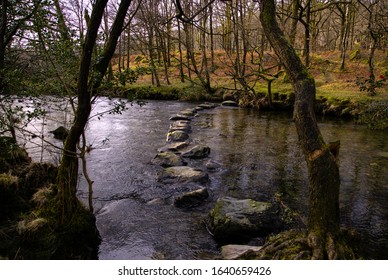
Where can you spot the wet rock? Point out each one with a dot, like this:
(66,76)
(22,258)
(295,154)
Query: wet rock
(188,112)
(180,118)
(174,147)
(234,219)
(191,199)
(180,125)
(156,201)
(229,103)
(197,152)
(168,159)
(239,252)
(180,174)
(207,106)
(177,136)
(60,133)
(212,165)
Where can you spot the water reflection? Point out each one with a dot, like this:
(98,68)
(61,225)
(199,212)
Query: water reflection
(259,157)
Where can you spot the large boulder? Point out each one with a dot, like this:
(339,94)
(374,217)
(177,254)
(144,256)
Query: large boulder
(191,199)
(239,220)
(168,159)
(182,174)
(197,152)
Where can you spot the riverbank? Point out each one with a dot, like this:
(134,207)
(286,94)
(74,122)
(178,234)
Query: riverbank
(28,223)
(342,92)
(358,107)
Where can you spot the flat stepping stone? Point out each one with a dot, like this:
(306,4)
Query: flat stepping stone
(178,125)
(229,103)
(188,112)
(177,136)
(174,147)
(197,152)
(180,118)
(207,106)
(191,199)
(182,174)
(168,159)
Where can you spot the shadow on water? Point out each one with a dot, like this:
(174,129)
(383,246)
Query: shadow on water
(258,156)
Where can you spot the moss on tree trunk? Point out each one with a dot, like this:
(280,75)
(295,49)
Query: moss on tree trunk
(323,175)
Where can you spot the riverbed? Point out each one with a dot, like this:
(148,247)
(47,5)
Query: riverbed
(257,155)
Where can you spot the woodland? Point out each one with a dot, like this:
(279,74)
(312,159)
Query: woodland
(261,54)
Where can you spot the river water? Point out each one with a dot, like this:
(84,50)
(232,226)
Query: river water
(258,157)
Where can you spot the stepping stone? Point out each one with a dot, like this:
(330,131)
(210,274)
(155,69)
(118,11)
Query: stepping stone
(182,174)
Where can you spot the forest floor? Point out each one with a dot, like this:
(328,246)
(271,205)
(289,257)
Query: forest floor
(339,92)
(331,81)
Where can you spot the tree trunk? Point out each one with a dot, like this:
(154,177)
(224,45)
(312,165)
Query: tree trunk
(68,169)
(181,73)
(323,173)
(294,21)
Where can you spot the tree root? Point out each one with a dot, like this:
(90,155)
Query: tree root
(298,245)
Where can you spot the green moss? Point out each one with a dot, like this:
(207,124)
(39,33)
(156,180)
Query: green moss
(41,237)
(8,182)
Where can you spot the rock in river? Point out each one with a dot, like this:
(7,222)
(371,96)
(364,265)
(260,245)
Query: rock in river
(168,159)
(180,174)
(197,152)
(180,125)
(229,103)
(174,147)
(191,199)
(239,252)
(240,219)
(60,133)
(180,118)
(177,136)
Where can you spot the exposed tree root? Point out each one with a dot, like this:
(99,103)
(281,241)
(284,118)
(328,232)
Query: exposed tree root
(297,245)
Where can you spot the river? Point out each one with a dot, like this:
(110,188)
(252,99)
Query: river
(258,157)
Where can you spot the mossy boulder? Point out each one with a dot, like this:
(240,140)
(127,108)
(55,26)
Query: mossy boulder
(238,220)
